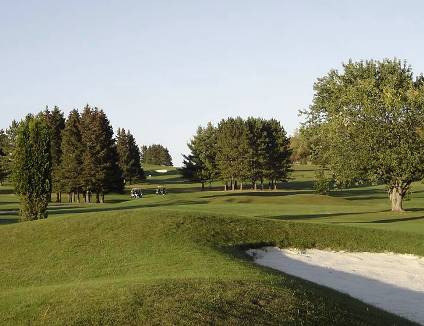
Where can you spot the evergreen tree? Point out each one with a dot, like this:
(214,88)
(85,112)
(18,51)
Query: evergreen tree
(278,152)
(72,153)
(257,136)
(100,168)
(232,148)
(3,156)
(129,155)
(8,142)
(200,165)
(32,168)
(55,122)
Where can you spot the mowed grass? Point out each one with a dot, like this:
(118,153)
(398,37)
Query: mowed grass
(180,258)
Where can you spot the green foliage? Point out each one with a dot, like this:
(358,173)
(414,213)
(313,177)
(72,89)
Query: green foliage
(156,154)
(323,184)
(55,122)
(368,119)
(301,146)
(72,152)
(129,155)
(100,169)
(7,145)
(278,152)
(239,150)
(3,156)
(32,168)
(232,147)
(200,165)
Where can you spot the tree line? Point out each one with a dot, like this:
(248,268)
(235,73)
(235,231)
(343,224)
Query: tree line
(239,151)
(46,153)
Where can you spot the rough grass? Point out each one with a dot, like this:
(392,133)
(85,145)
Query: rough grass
(180,258)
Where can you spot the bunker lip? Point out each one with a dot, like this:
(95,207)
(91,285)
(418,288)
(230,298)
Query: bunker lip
(389,281)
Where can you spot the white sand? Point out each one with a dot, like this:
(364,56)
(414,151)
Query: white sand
(161,171)
(392,282)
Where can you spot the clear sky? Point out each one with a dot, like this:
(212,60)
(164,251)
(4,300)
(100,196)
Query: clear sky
(162,68)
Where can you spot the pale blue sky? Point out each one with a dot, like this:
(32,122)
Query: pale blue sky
(161,68)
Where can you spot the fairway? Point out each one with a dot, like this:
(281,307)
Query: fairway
(180,258)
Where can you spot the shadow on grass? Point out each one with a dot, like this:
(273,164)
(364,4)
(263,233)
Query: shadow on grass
(294,217)
(8,220)
(100,208)
(6,191)
(395,220)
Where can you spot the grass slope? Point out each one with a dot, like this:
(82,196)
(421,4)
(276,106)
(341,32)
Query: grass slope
(179,259)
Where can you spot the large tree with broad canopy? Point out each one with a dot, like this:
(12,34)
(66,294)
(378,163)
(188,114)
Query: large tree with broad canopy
(369,120)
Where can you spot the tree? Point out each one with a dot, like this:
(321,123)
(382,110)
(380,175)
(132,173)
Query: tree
(7,145)
(232,148)
(100,168)
(369,119)
(256,155)
(300,145)
(55,122)
(3,155)
(278,153)
(32,168)
(156,154)
(72,153)
(129,155)
(200,164)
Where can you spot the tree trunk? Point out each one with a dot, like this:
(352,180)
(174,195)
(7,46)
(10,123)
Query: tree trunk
(69,197)
(232,184)
(58,197)
(87,196)
(74,199)
(203,186)
(275,185)
(102,198)
(255,186)
(225,187)
(241,185)
(97,197)
(396,197)
(262,184)
(78,197)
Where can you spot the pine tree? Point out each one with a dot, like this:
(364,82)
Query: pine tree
(32,168)
(8,144)
(72,152)
(200,164)
(3,156)
(278,152)
(55,122)
(100,167)
(129,155)
(257,150)
(135,170)
(232,148)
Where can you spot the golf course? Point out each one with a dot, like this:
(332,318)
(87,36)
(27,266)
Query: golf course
(181,258)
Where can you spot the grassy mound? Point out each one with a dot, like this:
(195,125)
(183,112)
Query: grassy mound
(180,258)
(164,267)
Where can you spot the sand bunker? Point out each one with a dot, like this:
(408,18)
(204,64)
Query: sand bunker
(161,171)
(392,282)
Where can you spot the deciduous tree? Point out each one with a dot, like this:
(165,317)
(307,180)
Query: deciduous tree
(32,167)
(368,118)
